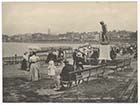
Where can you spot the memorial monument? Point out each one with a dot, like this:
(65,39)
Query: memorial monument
(104,44)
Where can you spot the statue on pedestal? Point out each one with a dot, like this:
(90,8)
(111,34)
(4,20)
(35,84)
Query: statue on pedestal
(104,31)
(104,45)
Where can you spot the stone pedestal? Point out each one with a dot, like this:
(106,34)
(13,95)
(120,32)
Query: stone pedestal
(104,52)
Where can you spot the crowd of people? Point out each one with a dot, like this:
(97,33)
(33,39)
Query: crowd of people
(81,56)
(31,63)
(56,55)
(126,49)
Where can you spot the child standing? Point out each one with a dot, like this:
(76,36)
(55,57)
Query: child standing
(51,69)
(52,73)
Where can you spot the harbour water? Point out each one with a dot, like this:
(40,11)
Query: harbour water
(12,48)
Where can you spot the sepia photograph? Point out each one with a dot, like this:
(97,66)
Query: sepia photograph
(69,52)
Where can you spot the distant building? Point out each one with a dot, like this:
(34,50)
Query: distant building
(44,37)
(16,38)
(75,36)
(5,38)
(92,36)
(39,36)
(26,37)
(71,36)
(52,38)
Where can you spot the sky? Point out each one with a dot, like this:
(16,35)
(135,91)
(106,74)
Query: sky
(31,17)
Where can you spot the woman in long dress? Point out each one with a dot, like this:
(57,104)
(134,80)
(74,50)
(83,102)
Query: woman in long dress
(34,68)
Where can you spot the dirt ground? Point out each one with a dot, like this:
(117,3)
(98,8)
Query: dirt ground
(110,88)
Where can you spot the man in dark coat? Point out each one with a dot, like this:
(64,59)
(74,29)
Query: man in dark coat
(51,56)
(24,61)
(79,61)
(95,57)
(60,55)
(112,54)
(74,56)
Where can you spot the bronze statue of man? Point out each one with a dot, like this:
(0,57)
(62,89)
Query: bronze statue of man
(104,31)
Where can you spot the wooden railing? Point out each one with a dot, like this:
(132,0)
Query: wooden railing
(12,60)
(18,59)
(122,64)
(98,70)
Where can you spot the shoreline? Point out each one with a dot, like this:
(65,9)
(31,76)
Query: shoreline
(55,42)
(71,42)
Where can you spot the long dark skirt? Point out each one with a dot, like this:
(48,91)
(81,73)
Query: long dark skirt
(79,74)
(24,65)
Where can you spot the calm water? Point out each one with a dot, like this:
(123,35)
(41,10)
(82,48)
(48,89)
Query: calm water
(12,48)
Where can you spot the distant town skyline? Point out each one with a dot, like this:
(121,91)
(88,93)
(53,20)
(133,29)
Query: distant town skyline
(18,17)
